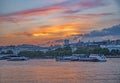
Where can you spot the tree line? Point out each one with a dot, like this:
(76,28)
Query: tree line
(66,51)
(49,54)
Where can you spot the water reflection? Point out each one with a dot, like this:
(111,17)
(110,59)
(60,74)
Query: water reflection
(49,71)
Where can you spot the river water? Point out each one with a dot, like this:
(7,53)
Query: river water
(50,71)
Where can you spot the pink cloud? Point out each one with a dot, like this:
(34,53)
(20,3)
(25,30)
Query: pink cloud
(40,11)
(22,16)
(86,16)
(64,7)
(92,3)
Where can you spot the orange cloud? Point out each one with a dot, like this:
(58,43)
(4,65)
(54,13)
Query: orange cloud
(64,30)
(44,34)
(57,30)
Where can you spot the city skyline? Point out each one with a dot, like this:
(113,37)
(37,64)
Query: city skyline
(48,22)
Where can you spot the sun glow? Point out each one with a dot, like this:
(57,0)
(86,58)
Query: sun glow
(40,34)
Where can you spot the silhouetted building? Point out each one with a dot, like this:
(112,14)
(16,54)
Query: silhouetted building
(66,42)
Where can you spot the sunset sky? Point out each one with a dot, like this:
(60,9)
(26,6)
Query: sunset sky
(51,21)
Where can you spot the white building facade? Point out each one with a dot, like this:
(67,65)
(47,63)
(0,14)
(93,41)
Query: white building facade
(111,47)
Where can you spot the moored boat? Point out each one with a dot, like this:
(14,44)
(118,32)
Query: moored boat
(98,57)
(63,59)
(18,59)
(83,57)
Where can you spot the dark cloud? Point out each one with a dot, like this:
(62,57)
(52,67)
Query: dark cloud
(86,16)
(118,2)
(71,11)
(108,33)
(113,31)
(60,40)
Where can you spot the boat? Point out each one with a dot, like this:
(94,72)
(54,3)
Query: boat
(98,57)
(18,59)
(63,59)
(83,57)
(7,56)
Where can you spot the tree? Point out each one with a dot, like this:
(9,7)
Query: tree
(81,51)
(2,52)
(114,52)
(32,54)
(9,52)
(67,50)
(105,51)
